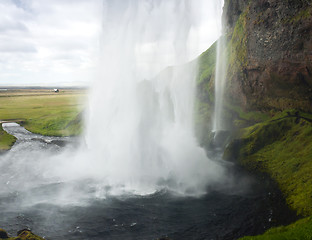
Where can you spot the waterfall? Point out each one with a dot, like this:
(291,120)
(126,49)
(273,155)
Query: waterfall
(140,131)
(220,82)
(139,135)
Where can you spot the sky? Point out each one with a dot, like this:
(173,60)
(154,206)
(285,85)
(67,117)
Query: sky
(57,42)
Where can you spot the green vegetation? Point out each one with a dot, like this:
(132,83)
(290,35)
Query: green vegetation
(206,64)
(242,118)
(303,14)
(205,94)
(44,112)
(237,48)
(22,235)
(6,140)
(282,147)
(300,230)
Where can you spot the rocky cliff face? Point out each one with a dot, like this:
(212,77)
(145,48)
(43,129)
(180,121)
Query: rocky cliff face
(270,49)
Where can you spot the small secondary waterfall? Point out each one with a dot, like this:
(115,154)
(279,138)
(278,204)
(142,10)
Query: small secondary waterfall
(220,82)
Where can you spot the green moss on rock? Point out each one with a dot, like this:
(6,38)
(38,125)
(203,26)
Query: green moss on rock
(281,147)
(206,64)
(21,235)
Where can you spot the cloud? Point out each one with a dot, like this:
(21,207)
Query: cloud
(40,39)
(15,46)
(58,41)
(6,26)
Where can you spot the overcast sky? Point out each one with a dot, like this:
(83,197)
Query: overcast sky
(57,42)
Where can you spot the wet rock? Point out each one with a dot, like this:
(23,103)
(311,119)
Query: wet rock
(220,138)
(39,140)
(3,234)
(60,143)
(26,234)
(272,54)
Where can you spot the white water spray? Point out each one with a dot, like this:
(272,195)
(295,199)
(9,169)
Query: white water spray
(140,133)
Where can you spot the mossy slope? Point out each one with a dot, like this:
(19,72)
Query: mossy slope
(205,94)
(281,147)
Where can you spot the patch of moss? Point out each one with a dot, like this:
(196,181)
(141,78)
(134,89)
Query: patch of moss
(206,64)
(21,235)
(300,230)
(281,147)
(301,15)
(205,93)
(244,118)
(237,53)
(6,140)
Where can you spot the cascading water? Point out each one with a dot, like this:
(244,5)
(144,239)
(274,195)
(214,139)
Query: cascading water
(140,133)
(220,81)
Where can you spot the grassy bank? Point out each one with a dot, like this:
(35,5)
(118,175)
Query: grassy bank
(6,140)
(43,111)
(300,230)
(282,148)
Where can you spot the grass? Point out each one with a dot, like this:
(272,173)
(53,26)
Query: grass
(300,230)
(282,147)
(301,15)
(43,111)
(6,140)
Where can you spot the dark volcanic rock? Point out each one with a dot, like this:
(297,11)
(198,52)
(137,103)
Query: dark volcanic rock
(275,71)
(3,234)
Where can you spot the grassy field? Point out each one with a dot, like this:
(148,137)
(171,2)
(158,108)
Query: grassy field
(42,111)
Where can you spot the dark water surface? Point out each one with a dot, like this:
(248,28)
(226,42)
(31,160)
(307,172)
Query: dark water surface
(223,213)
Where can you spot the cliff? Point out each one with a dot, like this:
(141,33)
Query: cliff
(270,49)
(270,70)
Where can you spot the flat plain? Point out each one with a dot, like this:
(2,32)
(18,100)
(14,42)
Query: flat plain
(42,111)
